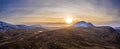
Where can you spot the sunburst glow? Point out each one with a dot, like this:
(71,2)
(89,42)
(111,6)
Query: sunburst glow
(69,20)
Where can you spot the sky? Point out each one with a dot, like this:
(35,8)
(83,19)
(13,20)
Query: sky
(99,12)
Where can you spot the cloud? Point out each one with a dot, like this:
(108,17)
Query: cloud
(28,9)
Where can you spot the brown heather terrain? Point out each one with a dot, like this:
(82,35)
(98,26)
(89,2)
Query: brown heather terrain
(67,38)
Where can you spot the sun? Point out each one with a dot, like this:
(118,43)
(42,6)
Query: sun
(69,20)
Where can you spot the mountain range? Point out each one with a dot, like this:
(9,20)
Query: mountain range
(81,35)
(7,26)
(103,37)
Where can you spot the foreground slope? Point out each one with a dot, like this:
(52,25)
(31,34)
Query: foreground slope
(67,38)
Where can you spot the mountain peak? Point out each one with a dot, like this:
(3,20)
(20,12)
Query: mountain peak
(83,24)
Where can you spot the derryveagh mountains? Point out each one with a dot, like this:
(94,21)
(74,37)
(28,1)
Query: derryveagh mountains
(81,35)
(7,26)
